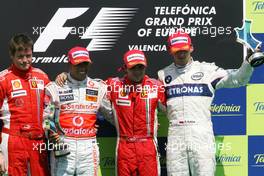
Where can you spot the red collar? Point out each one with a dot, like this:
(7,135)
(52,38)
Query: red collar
(128,82)
(21,73)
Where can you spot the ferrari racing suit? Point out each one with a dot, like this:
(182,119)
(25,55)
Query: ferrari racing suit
(135,113)
(190,92)
(78,103)
(22,104)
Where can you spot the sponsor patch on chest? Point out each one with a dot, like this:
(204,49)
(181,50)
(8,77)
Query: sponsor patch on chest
(16,84)
(36,84)
(18,93)
(69,91)
(91,95)
(148,94)
(121,102)
(188,90)
(68,97)
(197,76)
(123,93)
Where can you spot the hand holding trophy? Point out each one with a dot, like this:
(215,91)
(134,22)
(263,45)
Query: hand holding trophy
(245,37)
(52,127)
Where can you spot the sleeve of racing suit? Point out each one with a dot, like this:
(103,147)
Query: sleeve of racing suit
(2,97)
(106,105)
(162,92)
(162,97)
(51,98)
(46,79)
(231,78)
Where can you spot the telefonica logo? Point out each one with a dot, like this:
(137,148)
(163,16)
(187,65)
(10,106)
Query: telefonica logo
(259,107)
(258,7)
(228,159)
(215,108)
(259,159)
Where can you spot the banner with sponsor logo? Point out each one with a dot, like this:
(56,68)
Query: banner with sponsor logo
(255,99)
(109,28)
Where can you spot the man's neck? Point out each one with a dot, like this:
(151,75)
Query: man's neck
(182,62)
(134,82)
(76,78)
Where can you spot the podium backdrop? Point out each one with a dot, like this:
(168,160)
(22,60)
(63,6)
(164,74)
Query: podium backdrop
(110,28)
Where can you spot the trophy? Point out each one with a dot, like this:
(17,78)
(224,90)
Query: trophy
(245,37)
(51,125)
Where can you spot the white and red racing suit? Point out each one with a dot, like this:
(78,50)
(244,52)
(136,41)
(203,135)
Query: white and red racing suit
(22,102)
(135,113)
(78,103)
(190,92)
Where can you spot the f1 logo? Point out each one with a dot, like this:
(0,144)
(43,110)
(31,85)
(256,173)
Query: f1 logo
(55,29)
(104,29)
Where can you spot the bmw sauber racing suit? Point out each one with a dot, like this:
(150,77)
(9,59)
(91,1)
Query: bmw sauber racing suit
(78,103)
(22,104)
(135,114)
(190,92)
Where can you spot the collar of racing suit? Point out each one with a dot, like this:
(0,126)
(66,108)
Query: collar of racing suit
(185,68)
(128,82)
(25,74)
(76,82)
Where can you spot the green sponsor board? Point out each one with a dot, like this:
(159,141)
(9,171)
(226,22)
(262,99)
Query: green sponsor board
(255,12)
(163,125)
(231,155)
(107,155)
(255,109)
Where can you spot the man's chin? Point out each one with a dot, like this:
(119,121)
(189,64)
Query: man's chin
(24,68)
(82,74)
(182,58)
(138,80)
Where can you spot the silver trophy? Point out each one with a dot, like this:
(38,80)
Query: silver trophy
(245,37)
(51,125)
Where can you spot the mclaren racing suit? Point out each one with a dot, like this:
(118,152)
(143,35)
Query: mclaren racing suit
(22,104)
(190,92)
(78,103)
(135,114)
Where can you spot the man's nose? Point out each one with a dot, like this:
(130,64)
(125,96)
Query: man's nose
(24,58)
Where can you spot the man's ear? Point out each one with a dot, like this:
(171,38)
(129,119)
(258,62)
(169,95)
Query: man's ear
(11,55)
(12,58)
(191,49)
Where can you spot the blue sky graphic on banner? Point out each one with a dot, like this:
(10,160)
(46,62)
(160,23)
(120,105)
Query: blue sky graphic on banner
(258,74)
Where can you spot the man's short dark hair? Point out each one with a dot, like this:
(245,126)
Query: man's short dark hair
(19,42)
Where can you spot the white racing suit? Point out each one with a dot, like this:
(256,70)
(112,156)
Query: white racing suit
(190,92)
(78,103)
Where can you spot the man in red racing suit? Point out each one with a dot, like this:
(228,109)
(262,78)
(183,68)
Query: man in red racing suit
(134,107)
(21,104)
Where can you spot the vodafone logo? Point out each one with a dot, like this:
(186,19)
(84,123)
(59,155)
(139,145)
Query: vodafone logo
(77,121)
